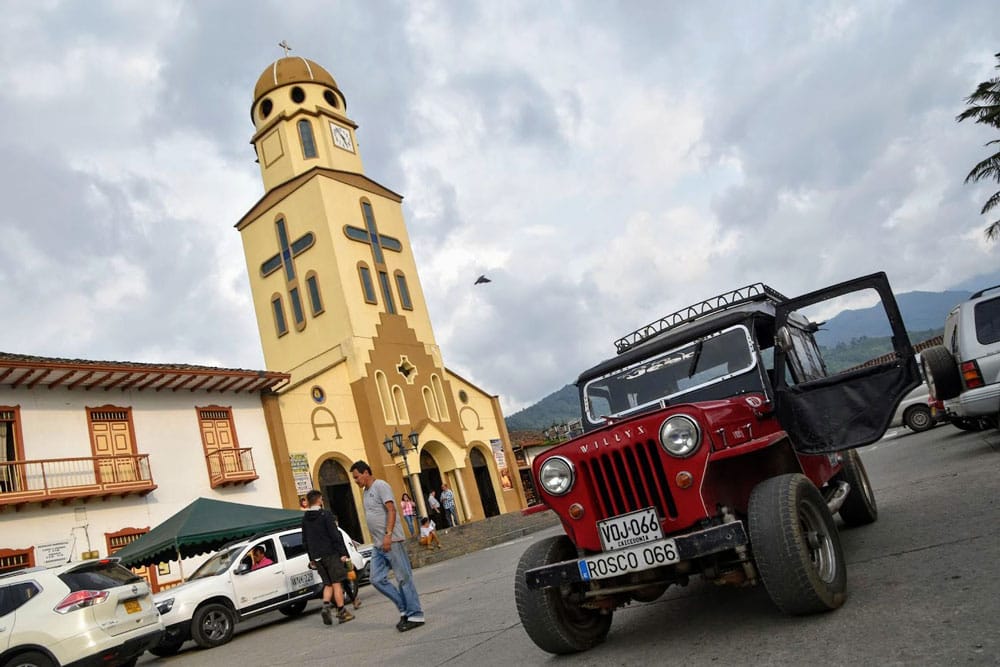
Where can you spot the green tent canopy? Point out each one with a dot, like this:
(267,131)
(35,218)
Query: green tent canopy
(202,527)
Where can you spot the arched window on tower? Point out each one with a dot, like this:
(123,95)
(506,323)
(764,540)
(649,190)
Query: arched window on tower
(399,403)
(439,397)
(312,288)
(306,137)
(430,406)
(367,286)
(384,397)
(280,324)
(404,291)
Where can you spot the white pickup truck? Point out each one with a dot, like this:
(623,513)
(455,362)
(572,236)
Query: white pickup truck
(227,589)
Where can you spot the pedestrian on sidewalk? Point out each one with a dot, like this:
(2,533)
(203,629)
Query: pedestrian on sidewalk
(327,554)
(389,552)
(434,507)
(409,513)
(448,503)
(428,534)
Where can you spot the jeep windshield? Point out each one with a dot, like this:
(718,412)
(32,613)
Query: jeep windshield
(661,379)
(217,564)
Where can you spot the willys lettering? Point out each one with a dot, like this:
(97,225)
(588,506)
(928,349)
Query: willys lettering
(624,435)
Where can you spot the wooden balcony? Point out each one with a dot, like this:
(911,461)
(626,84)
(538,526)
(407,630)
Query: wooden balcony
(47,480)
(231,465)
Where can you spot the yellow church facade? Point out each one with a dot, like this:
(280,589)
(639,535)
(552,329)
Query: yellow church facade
(340,308)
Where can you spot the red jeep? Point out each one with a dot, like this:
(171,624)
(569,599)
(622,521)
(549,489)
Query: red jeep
(719,442)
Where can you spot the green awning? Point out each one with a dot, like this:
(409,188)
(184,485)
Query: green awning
(202,527)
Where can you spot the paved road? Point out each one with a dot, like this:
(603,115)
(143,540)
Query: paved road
(924,589)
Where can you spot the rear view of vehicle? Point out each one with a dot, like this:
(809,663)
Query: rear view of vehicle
(95,612)
(965,371)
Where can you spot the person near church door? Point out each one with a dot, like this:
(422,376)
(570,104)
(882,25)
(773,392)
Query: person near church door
(327,555)
(389,552)
(448,503)
(434,508)
(409,513)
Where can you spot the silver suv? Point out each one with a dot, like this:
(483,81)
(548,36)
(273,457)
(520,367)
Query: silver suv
(965,371)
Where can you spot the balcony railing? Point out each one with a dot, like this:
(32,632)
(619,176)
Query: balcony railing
(45,480)
(231,466)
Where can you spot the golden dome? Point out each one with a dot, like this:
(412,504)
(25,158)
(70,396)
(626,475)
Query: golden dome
(292,69)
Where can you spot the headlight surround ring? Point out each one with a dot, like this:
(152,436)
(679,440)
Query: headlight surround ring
(680,436)
(557,476)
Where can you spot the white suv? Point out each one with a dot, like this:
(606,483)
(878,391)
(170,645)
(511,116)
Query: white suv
(227,589)
(965,371)
(87,613)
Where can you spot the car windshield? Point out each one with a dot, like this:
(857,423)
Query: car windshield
(661,378)
(217,564)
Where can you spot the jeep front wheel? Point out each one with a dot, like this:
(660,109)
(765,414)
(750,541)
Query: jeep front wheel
(553,623)
(859,508)
(796,546)
(212,625)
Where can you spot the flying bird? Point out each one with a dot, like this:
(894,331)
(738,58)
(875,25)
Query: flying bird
(482,280)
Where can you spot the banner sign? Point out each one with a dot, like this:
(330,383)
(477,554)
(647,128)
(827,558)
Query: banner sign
(501,459)
(300,473)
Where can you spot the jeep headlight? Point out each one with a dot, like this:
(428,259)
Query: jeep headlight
(164,606)
(680,435)
(556,476)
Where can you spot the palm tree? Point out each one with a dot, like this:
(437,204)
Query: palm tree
(984,107)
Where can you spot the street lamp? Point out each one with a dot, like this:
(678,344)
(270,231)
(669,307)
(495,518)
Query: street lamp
(394,446)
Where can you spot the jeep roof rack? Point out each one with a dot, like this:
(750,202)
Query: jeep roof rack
(984,291)
(754,292)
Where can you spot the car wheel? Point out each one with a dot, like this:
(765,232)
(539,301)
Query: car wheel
(212,625)
(554,623)
(30,659)
(166,649)
(294,608)
(941,372)
(918,418)
(967,424)
(859,508)
(796,546)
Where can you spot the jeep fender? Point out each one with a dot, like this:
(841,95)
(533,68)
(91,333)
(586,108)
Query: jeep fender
(729,480)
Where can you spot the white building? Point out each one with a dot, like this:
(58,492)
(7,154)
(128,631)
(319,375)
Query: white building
(93,453)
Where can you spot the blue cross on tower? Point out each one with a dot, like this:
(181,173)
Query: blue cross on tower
(287,252)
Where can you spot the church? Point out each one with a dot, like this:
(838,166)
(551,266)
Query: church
(341,310)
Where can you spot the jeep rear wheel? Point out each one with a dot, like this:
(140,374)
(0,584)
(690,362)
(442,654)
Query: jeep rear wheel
(553,623)
(859,508)
(212,625)
(941,372)
(796,546)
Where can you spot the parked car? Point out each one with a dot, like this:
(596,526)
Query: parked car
(719,443)
(915,412)
(226,589)
(965,371)
(91,612)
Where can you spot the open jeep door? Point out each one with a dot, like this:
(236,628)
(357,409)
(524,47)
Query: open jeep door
(833,394)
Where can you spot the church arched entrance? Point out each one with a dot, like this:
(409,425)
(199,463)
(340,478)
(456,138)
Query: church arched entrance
(335,484)
(430,475)
(481,470)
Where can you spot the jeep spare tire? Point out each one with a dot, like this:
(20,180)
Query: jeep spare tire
(554,623)
(941,372)
(796,545)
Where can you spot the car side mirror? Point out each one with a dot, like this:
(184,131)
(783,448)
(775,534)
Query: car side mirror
(783,339)
(243,568)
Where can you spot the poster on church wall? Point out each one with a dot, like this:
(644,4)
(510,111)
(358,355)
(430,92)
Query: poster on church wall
(300,473)
(501,459)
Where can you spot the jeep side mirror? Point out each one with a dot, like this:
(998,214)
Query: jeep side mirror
(783,339)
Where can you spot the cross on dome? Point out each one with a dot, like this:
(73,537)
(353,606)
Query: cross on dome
(284,45)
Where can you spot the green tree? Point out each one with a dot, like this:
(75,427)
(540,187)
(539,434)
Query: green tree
(984,107)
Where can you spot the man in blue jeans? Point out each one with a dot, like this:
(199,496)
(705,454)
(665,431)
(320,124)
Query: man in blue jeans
(389,552)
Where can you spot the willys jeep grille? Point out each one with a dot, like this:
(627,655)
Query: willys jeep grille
(628,479)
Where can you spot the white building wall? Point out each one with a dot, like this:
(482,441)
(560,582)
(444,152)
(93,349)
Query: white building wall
(54,425)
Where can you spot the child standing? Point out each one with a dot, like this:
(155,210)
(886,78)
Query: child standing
(428,534)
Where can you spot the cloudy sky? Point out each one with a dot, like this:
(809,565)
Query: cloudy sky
(603,162)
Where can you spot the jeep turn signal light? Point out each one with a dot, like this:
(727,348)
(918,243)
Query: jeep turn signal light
(684,479)
(970,373)
(576,511)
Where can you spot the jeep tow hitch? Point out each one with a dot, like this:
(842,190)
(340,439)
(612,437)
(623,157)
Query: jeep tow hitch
(838,497)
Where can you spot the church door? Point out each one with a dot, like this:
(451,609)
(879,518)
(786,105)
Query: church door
(430,476)
(339,497)
(487,495)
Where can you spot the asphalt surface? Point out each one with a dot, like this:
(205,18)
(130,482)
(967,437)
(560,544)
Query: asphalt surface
(924,588)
